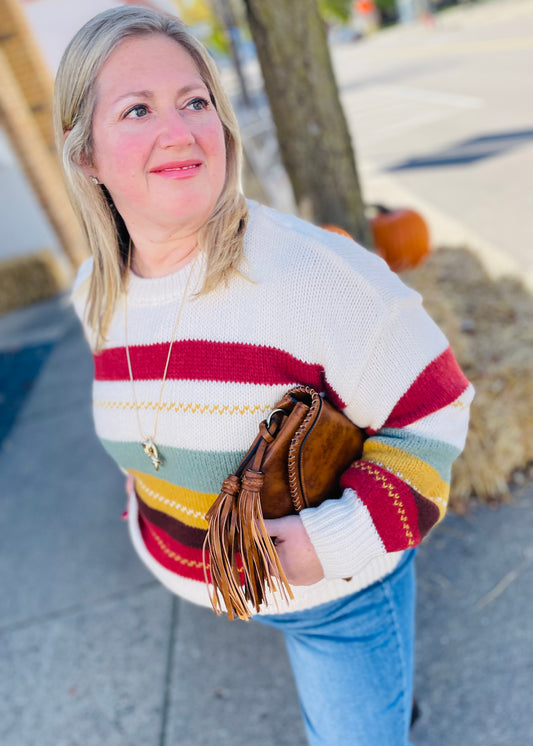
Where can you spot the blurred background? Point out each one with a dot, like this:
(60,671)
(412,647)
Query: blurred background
(416,141)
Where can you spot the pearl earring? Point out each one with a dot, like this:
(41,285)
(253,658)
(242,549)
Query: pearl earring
(94,180)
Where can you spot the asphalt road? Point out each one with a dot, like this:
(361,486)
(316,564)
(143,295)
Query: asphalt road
(447,111)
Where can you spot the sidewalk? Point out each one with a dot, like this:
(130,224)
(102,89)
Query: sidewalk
(95,653)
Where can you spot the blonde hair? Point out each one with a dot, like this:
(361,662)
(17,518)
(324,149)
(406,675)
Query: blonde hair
(221,238)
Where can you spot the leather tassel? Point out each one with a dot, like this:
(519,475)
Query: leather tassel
(222,541)
(262,568)
(237,532)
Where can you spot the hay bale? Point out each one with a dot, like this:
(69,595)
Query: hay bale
(490,327)
(28,279)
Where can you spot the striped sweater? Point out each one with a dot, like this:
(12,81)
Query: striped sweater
(314,308)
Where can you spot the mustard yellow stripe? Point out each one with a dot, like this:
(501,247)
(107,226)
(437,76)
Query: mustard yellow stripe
(415,472)
(187,506)
(194,408)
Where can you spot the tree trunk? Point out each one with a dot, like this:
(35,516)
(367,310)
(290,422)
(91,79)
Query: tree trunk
(314,140)
(224,12)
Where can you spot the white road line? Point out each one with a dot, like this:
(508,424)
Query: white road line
(433,97)
(411,123)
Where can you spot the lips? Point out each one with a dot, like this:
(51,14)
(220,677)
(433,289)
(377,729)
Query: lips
(177,167)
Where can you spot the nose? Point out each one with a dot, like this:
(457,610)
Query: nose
(175,130)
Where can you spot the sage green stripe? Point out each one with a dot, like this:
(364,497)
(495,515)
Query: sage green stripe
(436,453)
(201,471)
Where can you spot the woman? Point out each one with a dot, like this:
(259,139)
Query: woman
(202,310)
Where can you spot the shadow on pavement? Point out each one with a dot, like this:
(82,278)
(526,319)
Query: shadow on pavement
(469,151)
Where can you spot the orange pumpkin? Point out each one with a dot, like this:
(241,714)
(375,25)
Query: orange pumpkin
(335,229)
(401,237)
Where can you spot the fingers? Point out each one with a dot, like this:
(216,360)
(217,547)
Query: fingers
(295,551)
(274,527)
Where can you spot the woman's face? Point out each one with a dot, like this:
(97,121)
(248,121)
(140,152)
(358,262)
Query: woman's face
(158,143)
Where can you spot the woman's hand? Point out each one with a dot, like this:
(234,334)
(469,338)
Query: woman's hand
(295,551)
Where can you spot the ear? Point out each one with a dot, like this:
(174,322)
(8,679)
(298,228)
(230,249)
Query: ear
(88,168)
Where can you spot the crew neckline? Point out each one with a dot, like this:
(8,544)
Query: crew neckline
(144,291)
(148,290)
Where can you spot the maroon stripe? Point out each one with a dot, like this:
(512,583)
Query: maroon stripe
(175,556)
(172,555)
(428,513)
(187,535)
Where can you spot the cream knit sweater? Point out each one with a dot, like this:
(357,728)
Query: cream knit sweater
(319,310)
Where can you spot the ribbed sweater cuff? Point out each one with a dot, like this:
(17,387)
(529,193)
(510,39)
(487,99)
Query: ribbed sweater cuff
(343,535)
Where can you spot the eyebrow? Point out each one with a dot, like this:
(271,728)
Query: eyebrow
(149,94)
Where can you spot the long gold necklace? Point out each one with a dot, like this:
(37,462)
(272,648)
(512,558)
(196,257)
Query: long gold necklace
(148,442)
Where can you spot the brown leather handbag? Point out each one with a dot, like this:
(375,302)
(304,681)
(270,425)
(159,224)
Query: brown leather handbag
(295,462)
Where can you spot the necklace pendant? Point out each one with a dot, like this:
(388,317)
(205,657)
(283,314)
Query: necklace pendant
(151,451)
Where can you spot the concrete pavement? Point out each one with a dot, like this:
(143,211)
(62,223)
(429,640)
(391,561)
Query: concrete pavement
(95,653)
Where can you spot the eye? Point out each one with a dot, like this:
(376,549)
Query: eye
(198,104)
(136,112)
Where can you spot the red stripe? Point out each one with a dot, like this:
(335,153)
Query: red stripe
(389,501)
(332,396)
(179,558)
(193,360)
(439,384)
(171,554)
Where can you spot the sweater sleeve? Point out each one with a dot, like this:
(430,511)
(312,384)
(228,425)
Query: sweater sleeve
(416,399)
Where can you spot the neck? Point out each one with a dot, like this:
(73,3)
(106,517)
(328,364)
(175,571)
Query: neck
(158,260)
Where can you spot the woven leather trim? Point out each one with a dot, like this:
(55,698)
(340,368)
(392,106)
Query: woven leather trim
(295,485)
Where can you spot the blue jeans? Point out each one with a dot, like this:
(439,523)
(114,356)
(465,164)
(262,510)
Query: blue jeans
(353,663)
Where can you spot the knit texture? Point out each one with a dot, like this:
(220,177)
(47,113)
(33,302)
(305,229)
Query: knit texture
(315,309)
